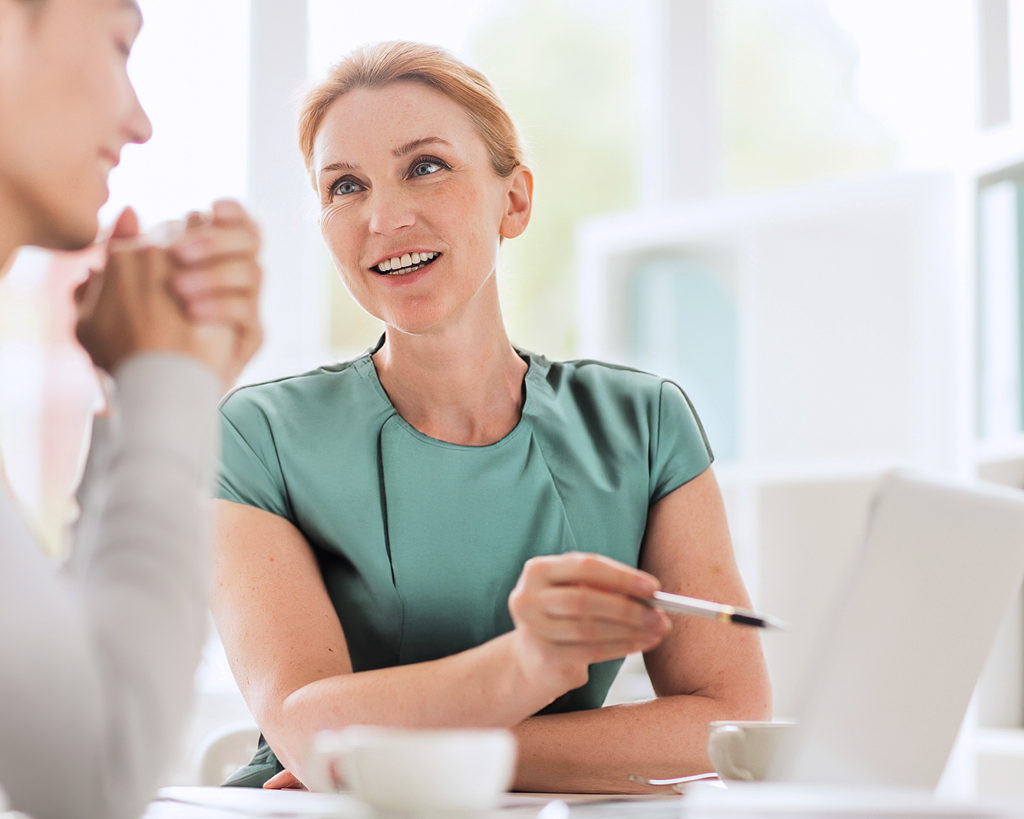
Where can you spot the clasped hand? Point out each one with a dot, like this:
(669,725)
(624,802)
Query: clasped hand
(195,292)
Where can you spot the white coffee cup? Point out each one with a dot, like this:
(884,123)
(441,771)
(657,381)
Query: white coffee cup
(426,771)
(744,749)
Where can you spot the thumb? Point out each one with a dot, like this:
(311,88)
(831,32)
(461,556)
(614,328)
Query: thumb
(126,226)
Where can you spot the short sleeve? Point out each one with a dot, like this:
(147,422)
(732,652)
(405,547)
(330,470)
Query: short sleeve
(250,472)
(681,448)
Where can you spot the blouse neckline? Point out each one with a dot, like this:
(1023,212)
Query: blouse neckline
(532,381)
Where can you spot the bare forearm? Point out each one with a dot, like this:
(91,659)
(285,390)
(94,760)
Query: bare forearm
(596,751)
(481,687)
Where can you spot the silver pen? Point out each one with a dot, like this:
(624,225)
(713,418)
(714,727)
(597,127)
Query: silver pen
(677,604)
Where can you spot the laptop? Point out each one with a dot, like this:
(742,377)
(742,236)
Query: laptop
(898,657)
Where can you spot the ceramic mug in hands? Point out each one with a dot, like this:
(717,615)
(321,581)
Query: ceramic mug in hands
(434,771)
(744,749)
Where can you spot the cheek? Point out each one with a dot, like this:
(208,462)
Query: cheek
(335,231)
(469,211)
(99,79)
(341,242)
(329,220)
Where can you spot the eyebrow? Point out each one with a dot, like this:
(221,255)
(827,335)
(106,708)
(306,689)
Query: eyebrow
(416,144)
(398,153)
(336,166)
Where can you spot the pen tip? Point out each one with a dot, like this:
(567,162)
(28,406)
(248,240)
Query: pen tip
(755,621)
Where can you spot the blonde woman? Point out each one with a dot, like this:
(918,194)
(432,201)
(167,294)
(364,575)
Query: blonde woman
(450,530)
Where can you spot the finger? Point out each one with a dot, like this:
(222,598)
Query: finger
(283,780)
(229,211)
(591,570)
(590,653)
(194,219)
(126,226)
(583,603)
(591,632)
(223,278)
(239,311)
(209,242)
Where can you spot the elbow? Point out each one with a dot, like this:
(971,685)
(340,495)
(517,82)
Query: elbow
(751,700)
(289,725)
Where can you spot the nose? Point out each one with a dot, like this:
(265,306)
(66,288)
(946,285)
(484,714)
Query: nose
(390,210)
(138,128)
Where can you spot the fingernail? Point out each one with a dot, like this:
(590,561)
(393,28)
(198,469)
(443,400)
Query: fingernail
(227,208)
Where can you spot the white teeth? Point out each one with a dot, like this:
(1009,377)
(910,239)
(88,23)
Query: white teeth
(399,264)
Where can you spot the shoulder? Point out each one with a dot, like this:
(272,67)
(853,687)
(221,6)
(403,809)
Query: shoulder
(613,396)
(302,393)
(581,378)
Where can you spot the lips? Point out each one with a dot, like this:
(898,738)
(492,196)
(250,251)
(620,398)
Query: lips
(112,157)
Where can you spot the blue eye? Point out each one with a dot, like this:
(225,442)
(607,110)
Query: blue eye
(344,186)
(427,166)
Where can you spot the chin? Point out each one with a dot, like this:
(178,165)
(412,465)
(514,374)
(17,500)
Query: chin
(70,234)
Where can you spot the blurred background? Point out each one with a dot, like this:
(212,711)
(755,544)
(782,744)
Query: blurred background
(807,212)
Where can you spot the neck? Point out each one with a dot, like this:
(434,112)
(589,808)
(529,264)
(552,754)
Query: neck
(464,386)
(15,227)
(9,243)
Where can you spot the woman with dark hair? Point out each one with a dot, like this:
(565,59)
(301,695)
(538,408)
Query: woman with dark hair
(450,530)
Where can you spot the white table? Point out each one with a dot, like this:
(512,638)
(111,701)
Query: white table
(224,803)
(753,801)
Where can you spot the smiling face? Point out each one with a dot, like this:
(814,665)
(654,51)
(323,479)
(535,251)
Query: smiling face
(67,109)
(411,208)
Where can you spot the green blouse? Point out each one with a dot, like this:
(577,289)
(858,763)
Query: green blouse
(421,541)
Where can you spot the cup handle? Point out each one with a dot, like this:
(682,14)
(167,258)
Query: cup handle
(730,737)
(323,765)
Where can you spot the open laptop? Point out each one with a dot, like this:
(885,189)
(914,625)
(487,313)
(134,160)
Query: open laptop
(898,657)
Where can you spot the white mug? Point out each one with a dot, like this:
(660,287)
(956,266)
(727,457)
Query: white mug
(744,749)
(415,769)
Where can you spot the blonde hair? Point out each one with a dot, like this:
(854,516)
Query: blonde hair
(380,64)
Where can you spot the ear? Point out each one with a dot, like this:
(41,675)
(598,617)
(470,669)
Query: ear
(518,203)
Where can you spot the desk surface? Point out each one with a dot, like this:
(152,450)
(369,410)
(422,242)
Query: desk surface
(221,803)
(753,801)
